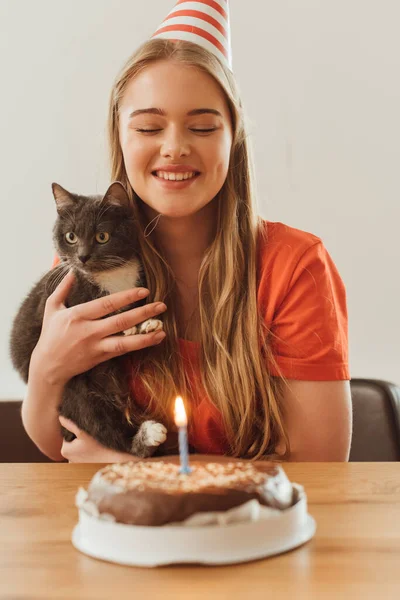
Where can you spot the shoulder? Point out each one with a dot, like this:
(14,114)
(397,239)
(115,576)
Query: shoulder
(281,249)
(302,300)
(292,262)
(278,240)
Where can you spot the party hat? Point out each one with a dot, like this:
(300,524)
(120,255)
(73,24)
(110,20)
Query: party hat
(204,22)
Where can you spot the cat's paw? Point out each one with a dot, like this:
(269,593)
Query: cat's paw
(150,325)
(153,433)
(131,331)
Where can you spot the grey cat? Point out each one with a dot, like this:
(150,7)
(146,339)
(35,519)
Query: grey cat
(97,237)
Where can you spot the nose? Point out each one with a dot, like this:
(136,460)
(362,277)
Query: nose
(174,145)
(84,258)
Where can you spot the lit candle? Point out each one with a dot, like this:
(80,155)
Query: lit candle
(181,423)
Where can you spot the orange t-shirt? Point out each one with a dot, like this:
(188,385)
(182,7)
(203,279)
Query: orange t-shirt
(303,301)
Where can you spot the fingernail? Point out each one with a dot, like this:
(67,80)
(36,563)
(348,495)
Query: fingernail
(143,293)
(159,336)
(160,307)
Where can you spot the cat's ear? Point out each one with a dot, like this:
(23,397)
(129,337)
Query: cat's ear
(117,195)
(63,198)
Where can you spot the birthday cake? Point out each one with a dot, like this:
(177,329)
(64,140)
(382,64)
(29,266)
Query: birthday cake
(156,493)
(147,513)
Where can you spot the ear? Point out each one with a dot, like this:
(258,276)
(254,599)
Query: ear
(63,198)
(117,195)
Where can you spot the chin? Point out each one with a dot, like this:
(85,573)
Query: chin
(176,214)
(177,210)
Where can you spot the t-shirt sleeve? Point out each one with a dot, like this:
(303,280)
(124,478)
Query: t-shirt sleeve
(310,326)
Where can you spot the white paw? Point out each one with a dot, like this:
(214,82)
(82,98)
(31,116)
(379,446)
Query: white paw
(150,325)
(131,331)
(154,433)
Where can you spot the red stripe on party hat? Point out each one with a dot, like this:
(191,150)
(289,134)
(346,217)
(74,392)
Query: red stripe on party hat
(202,22)
(196,31)
(201,15)
(211,3)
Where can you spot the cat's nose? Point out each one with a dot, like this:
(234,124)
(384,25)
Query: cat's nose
(84,258)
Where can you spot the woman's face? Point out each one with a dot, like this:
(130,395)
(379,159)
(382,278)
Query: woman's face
(176,136)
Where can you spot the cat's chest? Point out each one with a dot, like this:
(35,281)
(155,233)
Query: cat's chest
(120,279)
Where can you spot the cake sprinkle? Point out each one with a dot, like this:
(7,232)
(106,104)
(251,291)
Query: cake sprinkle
(158,475)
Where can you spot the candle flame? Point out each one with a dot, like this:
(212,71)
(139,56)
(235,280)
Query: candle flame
(180,413)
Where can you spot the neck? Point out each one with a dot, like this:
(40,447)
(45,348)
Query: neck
(183,241)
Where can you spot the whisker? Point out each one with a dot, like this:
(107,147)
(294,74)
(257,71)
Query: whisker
(103,211)
(56,276)
(115,261)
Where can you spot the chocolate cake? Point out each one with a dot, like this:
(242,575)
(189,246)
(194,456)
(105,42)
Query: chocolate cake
(155,493)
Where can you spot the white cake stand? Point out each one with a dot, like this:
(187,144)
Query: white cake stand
(210,545)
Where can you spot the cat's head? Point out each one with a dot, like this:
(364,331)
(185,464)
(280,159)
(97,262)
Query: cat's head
(95,233)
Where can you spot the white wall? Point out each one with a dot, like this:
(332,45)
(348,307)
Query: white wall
(320,80)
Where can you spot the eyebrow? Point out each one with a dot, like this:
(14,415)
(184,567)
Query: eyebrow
(162,113)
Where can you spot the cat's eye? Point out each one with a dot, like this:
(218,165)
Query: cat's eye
(102,237)
(71,237)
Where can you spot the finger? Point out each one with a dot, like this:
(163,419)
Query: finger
(130,318)
(71,426)
(61,292)
(116,345)
(101,307)
(66,450)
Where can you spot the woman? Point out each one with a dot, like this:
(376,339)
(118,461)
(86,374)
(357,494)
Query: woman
(255,321)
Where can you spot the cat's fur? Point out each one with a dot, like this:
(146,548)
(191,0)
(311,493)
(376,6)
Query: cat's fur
(96,400)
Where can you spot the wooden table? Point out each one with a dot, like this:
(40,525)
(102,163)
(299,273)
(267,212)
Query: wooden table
(354,554)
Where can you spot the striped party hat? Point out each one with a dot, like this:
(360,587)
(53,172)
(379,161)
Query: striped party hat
(204,22)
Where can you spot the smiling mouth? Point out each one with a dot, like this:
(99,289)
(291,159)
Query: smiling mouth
(169,176)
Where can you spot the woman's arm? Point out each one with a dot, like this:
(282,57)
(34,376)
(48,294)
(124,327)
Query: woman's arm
(72,341)
(41,420)
(318,418)
(40,413)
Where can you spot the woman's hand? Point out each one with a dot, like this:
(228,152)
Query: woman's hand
(85,449)
(74,340)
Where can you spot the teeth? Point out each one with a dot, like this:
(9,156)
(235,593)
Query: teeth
(175,176)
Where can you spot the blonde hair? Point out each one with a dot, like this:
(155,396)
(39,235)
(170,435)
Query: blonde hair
(235,342)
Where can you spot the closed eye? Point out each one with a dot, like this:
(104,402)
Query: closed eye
(147,130)
(204,130)
(210,130)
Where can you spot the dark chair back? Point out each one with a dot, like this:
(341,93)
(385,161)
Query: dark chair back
(376,420)
(15,444)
